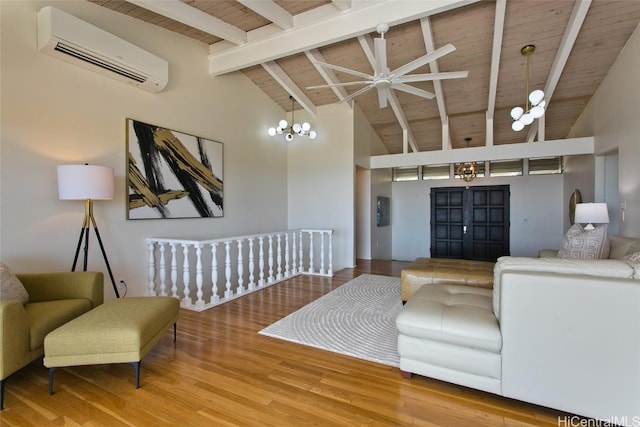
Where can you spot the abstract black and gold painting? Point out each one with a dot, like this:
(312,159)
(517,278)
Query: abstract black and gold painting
(172,174)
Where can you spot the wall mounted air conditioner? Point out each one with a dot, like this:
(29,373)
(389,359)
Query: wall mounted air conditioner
(68,38)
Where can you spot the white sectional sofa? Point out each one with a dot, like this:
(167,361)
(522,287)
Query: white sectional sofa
(555,332)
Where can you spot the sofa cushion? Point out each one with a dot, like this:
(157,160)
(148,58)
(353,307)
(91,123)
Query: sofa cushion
(44,317)
(10,287)
(601,268)
(445,271)
(621,246)
(453,314)
(579,243)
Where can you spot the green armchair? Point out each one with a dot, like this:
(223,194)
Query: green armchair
(54,299)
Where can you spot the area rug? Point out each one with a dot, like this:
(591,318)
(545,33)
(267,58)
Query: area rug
(357,319)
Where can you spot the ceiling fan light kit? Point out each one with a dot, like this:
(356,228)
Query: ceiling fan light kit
(293,129)
(534,102)
(384,80)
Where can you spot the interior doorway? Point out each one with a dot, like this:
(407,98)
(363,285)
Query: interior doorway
(470,222)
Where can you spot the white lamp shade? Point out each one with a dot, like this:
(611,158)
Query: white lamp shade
(288,137)
(313,134)
(82,182)
(297,127)
(592,213)
(282,123)
(306,126)
(271,131)
(526,118)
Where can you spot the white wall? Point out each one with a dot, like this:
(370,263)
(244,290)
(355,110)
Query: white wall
(381,237)
(372,242)
(363,213)
(536,210)
(321,184)
(56,113)
(612,117)
(579,174)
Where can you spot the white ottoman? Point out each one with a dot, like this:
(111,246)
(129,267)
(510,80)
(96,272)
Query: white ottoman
(449,332)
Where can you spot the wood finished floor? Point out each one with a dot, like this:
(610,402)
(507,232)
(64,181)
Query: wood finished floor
(223,373)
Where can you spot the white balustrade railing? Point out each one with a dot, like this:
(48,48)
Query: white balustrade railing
(219,270)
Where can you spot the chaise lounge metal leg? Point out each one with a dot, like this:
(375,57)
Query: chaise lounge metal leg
(51,372)
(2,394)
(136,366)
(174,332)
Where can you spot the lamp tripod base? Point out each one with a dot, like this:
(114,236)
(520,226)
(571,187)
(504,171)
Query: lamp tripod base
(84,237)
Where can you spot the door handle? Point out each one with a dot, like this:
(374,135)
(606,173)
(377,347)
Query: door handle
(464,229)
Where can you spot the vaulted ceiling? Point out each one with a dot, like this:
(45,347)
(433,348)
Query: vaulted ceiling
(275,43)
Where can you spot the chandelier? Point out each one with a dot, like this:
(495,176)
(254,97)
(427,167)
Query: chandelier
(293,128)
(534,103)
(467,170)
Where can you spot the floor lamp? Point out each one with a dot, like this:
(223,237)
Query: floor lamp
(88,183)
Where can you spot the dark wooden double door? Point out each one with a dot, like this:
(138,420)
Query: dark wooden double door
(470,222)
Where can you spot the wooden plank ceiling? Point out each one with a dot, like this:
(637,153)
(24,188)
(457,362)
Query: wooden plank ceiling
(487,34)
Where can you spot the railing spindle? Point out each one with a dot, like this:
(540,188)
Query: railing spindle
(270,279)
(294,268)
(185,274)
(228,293)
(174,271)
(163,272)
(311,252)
(214,274)
(261,262)
(199,293)
(251,285)
(321,253)
(240,289)
(151,272)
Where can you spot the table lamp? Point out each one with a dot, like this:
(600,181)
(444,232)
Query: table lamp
(590,213)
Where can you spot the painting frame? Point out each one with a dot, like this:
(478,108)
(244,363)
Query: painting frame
(172,174)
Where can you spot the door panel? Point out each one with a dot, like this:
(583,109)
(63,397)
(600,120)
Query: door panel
(447,211)
(470,223)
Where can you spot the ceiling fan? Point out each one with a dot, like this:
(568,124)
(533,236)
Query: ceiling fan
(383,79)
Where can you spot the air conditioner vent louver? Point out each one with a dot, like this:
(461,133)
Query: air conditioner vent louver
(70,50)
(68,38)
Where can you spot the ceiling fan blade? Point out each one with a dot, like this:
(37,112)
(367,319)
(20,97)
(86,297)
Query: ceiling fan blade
(358,92)
(342,69)
(423,60)
(410,78)
(383,94)
(414,91)
(362,82)
(380,46)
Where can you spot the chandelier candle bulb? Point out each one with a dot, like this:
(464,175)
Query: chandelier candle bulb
(516,113)
(536,96)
